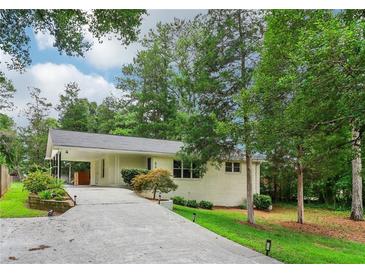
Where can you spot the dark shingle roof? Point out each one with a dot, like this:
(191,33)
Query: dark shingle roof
(68,138)
(112,142)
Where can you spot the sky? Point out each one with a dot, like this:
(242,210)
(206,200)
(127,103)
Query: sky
(95,73)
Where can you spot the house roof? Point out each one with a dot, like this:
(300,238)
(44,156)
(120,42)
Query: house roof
(112,142)
(66,138)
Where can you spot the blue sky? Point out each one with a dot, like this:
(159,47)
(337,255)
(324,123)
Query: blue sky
(95,73)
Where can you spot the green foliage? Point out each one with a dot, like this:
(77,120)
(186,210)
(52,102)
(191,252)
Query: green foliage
(45,185)
(53,193)
(11,146)
(76,113)
(178,200)
(45,195)
(55,184)
(156,180)
(148,79)
(192,203)
(68,27)
(205,204)
(58,193)
(37,181)
(36,132)
(129,173)
(35,167)
(7,91)
(262,201)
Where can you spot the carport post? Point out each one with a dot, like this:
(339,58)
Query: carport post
(59,165)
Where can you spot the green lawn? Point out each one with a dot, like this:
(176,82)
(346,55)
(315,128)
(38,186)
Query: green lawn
(287,245)
(14,204)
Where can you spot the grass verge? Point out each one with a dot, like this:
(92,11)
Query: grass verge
(287,245)
(14,203)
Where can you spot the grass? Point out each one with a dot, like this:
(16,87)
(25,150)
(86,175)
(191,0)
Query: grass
(14,204)
(288,245)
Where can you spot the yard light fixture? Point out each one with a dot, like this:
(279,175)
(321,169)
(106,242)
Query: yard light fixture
(159,198)
(75,199)
(194,217)
(268,247)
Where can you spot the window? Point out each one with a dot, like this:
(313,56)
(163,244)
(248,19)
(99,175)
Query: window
(102,168)
(233,167)
(149,164)
(177,169)
(185,170)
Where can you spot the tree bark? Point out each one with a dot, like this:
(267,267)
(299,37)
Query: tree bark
(250,211)
(300,194)
(357,213)
(154,193)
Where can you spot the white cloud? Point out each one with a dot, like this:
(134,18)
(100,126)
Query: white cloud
(44,40)
(51,79)
(110,53)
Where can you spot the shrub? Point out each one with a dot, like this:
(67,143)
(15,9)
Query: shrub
(34,167)
(206,204)
(129,173)
(46,186)
(55,184)
(192,203)
(178,200)
(262,201)
(156,180)
(37,181)
(45,195)
(58,193)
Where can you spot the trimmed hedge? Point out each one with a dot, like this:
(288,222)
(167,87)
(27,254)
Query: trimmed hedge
(129,173)
(192,203)
(262,201)
(178,200)
(206,204)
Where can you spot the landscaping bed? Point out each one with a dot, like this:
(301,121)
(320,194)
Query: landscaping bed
(47,192)
(36,202)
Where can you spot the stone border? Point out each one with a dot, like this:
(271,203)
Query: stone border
(58,206)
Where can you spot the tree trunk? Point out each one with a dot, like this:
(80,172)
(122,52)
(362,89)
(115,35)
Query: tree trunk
(300,195)
(250,211)
(357,213)
(154,193)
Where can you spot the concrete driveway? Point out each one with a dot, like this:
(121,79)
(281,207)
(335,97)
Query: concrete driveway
(113,225)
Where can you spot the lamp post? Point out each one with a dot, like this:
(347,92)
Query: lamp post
(159,198)
(75,199)
(194,217)
(268,247)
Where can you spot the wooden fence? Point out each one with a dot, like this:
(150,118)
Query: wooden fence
(5,179)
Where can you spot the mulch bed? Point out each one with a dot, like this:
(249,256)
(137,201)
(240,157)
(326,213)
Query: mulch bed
(319,222)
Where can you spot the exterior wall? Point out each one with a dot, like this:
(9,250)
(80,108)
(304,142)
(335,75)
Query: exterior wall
(220,187)
(114,163)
